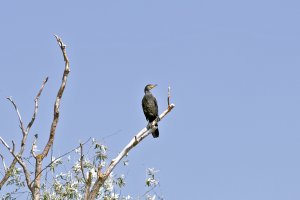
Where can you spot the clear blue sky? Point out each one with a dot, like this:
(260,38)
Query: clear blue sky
(234,69)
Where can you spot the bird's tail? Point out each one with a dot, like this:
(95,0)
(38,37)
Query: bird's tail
(155,134)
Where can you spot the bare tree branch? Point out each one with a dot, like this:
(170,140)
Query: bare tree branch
(33,146)
(24,132)
(134,141)
(19,160)
(148,191)
(36,105)
(58,98)
(3,162)
(39,158)
(19,115)
(137,139)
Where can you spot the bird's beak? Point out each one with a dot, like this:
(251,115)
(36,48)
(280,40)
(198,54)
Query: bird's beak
(153,86)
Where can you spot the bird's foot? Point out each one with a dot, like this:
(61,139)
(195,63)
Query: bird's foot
(149,126)
(158,119)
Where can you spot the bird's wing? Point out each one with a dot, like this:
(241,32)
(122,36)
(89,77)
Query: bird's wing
(155,107)
(144,105)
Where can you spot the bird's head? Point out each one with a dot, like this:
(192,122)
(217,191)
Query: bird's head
(149,87)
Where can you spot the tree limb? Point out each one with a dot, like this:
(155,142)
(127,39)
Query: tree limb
(137,139)
(58,98)
(88,186)
(39,158)
(134,141)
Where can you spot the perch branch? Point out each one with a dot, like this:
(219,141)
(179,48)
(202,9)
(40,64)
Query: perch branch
(134,141)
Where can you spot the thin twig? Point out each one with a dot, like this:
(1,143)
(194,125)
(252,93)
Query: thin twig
(19,115)
(81,163)
(14,146)
(148,191)
(36,105)
(3,162)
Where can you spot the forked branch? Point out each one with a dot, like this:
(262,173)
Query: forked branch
(24,132)
(58,98)
(39,158)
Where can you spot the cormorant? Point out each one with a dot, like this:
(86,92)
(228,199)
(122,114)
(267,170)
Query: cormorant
(150,107)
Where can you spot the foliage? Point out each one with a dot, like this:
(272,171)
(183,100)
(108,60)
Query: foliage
(66,178)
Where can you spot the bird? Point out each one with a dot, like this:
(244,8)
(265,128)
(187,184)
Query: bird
(150,107)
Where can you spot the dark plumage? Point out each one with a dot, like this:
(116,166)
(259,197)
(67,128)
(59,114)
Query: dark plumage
(150,107)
